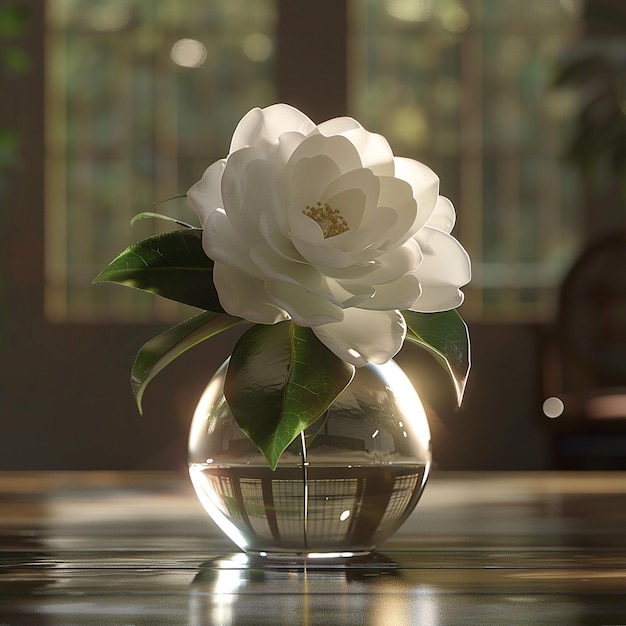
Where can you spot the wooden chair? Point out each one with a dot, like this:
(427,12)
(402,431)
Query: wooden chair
(584,361)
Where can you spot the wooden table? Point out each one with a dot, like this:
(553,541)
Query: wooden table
(137,549)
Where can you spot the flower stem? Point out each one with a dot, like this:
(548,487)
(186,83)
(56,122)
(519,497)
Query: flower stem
(305,479)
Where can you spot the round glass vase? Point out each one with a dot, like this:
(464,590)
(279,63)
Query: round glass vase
(341,489)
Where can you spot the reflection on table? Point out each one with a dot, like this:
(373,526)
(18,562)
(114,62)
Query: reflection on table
(120,548)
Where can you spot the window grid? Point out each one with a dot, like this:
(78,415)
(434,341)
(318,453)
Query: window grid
(128,126)
(463,87)
(339,496)
(252,496)
(403,489)
(288,498)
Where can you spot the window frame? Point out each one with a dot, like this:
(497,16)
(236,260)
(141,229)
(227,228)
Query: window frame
(64,386)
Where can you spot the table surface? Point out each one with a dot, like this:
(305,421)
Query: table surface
(482,548)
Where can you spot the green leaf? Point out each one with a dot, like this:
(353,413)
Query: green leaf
(149,215)
(172,265)
(9,143)
(164,348)
(16,60)
(13,20)
(279,381)
(446,337)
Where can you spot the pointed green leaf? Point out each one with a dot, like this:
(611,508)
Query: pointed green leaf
(172,265)
(281,379)
(150,215)
(164,348)
(446,337)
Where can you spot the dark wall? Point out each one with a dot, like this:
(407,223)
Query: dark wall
(500,424)
(79,413)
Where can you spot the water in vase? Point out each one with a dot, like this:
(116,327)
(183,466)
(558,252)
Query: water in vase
(301,509)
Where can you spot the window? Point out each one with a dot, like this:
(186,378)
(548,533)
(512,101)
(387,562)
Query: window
(463,87)
(143,95)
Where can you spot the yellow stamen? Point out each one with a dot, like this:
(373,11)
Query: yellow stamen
(330,220)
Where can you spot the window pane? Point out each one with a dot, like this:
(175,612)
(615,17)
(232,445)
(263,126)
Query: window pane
(141,97)
(462,86)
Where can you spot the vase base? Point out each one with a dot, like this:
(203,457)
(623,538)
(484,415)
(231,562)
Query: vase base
(309,557)
(302,561)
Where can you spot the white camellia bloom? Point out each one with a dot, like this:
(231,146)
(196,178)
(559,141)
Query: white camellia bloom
(321,224)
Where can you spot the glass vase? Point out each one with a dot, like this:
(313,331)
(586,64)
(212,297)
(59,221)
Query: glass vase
(341,489)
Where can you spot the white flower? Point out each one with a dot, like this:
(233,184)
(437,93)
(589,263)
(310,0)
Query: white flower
(323,225)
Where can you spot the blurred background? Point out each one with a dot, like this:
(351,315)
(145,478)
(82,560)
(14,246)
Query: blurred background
(109,106)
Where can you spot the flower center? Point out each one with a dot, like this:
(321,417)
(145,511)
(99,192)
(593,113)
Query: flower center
(330,220)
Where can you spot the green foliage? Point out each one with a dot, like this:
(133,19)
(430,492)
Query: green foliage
(169,345)
(15,59)
(13,20)
(596,71)
(149,215)
(8,148)
(446,337)
(274,413)
(172,265)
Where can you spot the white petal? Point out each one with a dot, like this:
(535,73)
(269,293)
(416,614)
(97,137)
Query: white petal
(224,245)
(374,150)
(244,296)
(444,269)
(304,307)
(396,294)
(351,204)
(444,215)
(206,195)
(321,255)
(276,239)
(240,165)
(249,193)
(425,184)
(309,179)
(262,127)
(337,126)
(258,198)
(337,148)
(359,271)
(362,245)
(362,180)
(304,229)
(362,336)
(348,294)
(397,194)
(438,298)
(282,150)
(276,267)
(396,263)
